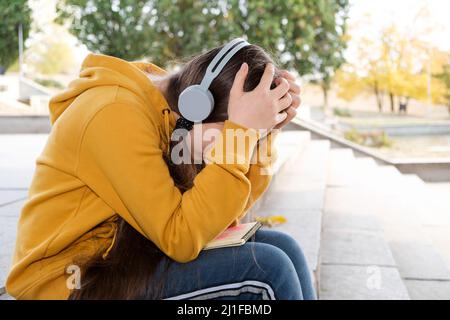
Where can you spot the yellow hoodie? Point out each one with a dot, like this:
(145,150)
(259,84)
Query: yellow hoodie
(103,159)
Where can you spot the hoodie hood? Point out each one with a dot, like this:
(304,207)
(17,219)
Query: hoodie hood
(101,70)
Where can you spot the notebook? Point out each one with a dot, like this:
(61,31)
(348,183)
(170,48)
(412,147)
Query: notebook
(234,236)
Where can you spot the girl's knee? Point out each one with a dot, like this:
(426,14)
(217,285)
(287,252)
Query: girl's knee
(271,255)
(279,239)
(274,265)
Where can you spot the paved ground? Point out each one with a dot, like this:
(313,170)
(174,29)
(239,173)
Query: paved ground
(17,157)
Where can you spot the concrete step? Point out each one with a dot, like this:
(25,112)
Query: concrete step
(365,174)
(354,250)
(428,290)
(440,237)
(9,216)
(413,179)
(297,192)
(6,297)
(346,170)
(300,185)
(420,244)
(288,145)
(416,222)
(401,207)
(348,282)
(17,168)
(356,260)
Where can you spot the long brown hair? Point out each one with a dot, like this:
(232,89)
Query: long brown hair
(128,271)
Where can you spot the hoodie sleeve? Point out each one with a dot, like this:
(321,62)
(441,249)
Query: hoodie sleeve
(121,159)
(260,171)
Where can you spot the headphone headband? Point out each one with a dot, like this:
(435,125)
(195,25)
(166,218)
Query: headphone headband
(196,102)
(221,59)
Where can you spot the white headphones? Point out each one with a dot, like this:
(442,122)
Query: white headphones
(196,102)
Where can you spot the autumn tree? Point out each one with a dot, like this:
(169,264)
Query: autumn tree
(444,77)
(396,65)
(367,75)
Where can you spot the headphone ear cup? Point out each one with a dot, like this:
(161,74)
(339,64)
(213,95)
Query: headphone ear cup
(195,104)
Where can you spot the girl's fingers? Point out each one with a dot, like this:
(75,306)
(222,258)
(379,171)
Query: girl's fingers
(280,117)
(294,87)
(284,102)
(267,77)
(291,113)
(296,101)
(281,90)
(287,75)
(239,80)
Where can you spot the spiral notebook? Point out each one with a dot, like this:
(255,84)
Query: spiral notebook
(234,236)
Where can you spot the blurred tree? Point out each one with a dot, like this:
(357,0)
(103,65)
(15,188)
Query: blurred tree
(303,35)
(367,75)
(12,14)
(113,27)
(395,65)
(186,27)
(444,77)
(50,52)
(307,36)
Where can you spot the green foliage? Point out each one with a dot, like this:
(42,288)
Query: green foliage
(378,139)
(12,14)
(184,28)
(118,28)
(304,35)
(14,67)
(343,113)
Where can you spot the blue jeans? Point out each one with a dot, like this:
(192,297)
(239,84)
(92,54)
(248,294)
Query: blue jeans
(269,266)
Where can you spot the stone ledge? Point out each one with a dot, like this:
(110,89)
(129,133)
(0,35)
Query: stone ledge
(344,282)
(417,260)
(356,247)
(428,290)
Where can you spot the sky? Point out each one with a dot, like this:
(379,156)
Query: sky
(402,13)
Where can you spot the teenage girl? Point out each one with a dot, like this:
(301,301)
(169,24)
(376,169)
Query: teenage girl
(111,215)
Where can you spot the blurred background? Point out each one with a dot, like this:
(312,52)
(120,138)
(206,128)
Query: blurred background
(363,176)
(377,74)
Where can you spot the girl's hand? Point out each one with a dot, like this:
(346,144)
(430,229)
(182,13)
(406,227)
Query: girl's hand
(294,92)
(261,108)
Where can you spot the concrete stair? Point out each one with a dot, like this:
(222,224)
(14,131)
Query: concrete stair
(297,192)
(378,219)
(368,231)
(16,171)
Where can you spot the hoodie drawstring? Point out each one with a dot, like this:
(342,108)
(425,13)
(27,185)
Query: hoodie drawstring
(166,113)
(113,233)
